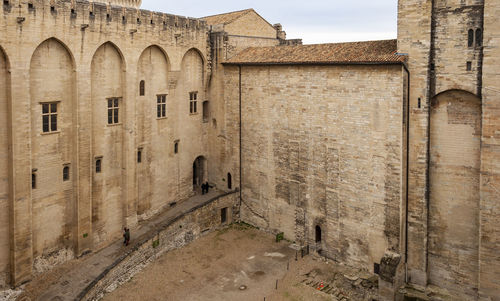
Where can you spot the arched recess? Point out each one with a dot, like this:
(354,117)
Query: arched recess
(152,131)
(4,167)
(52,93)
(455,142)
(193,72)
(108,117)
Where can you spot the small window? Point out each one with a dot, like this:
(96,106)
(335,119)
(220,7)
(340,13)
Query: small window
(419,103)
(229,181)
(161,106)
(205,111)
(479,37)
(139,155)
(223,215)
(108,17)
(193,99)
(470,38)
(113,110)
(142,88)
(33,180)
(469,66)
(176,147)
(98,165)
(49,117)
(66,173)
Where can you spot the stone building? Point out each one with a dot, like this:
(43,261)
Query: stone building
(382,155)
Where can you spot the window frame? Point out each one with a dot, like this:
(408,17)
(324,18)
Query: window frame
(50,117)
(113,110)
(193,102)
(161,106)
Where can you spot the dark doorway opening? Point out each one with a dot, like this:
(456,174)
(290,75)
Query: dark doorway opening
(223,215)
(229,181)
(199,172)
(318,234)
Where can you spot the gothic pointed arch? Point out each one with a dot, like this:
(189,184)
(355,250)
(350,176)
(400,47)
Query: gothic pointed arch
(153,109)
(108,108)
(454,171)
(53,105)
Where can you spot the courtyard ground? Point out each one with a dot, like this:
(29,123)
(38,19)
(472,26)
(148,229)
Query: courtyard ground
(243,263)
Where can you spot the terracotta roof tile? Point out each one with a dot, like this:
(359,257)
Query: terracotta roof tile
(226,18)
(340,53)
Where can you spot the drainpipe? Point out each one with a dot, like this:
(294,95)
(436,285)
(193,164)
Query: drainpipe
(239,93)
(407,168)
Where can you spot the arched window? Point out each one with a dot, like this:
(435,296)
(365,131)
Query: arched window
(98,167)
(229,181)
(142,88)
(479,37)
(470,38)
(66,173)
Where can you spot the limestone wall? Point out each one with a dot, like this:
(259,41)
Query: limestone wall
(451,235)
(251,25)
(80,54)
(489,218)
(322,146)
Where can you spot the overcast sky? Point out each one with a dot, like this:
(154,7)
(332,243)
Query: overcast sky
(315,21)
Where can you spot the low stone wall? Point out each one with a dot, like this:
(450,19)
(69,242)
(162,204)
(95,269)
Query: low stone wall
(172,235)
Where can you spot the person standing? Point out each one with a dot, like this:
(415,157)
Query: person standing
(126,236)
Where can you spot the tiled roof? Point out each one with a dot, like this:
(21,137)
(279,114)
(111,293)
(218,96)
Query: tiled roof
(340,53)
(226,18)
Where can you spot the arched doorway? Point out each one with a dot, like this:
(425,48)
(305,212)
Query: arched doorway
(199,176)
(455,142)
(229,181)
(318,234)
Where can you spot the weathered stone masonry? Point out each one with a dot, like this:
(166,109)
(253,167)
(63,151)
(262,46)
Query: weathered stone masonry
(320,146)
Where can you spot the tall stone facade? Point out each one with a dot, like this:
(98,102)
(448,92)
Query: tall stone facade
(86,149)
(380,155)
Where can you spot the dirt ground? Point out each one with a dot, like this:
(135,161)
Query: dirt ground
(242,263)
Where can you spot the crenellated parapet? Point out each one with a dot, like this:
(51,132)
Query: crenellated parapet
(124,3)
(124,12)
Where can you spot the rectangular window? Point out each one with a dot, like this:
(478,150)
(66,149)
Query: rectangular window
(113,110)
(193,97)
(139,155)
(161,106)
(49,117)
(469,66)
